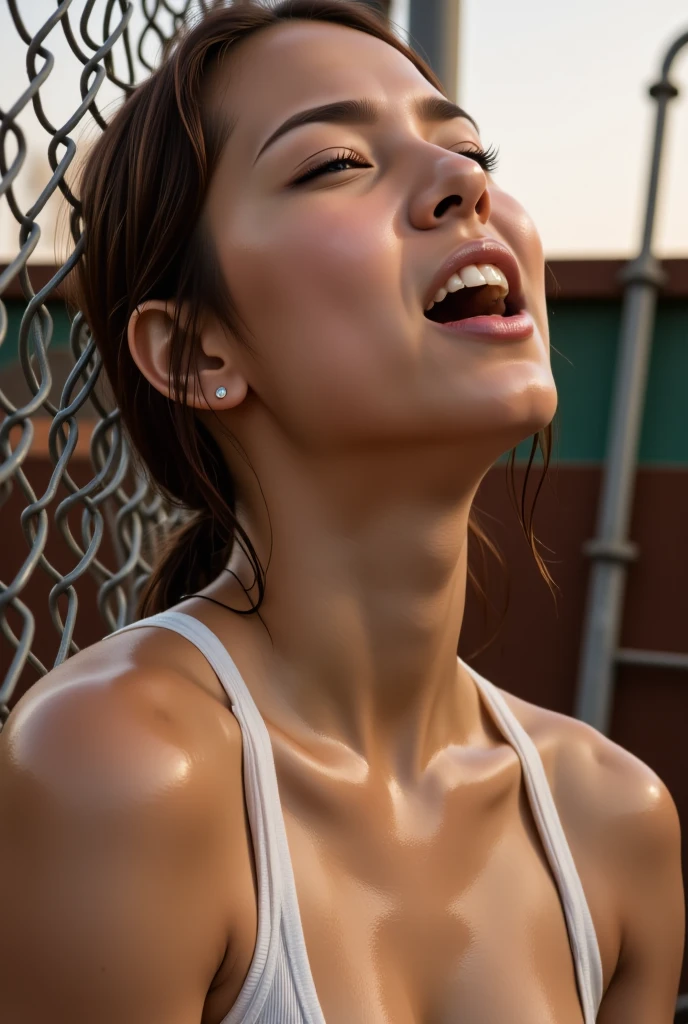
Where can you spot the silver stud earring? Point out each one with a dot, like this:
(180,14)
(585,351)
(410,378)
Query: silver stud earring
(221,392)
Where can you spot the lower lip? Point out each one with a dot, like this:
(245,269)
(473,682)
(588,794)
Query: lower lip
(511,328)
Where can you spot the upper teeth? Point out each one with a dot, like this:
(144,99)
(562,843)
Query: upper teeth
(473,276)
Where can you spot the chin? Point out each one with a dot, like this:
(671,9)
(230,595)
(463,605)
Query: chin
(538,409)
(522,415)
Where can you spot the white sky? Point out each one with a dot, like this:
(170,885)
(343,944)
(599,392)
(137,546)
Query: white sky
(561,87)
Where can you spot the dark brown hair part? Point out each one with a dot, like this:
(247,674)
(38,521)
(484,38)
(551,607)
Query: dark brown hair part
(142,190)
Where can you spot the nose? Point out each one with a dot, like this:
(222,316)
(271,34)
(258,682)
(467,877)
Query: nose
(457,190)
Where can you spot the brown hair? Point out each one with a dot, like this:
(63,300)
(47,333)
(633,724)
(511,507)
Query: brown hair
(142,193)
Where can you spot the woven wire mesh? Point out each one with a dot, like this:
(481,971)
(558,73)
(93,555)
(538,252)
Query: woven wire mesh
(116,42)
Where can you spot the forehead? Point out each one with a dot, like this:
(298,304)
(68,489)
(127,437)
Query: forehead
(295,65)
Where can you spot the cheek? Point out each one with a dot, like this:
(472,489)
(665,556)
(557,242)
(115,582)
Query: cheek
(328,257)
(321,294)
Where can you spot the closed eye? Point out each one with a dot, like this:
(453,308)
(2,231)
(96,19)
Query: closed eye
(332,166)
(487,158)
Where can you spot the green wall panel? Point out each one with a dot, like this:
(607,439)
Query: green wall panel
(10,346)
(584,340)
(665,428)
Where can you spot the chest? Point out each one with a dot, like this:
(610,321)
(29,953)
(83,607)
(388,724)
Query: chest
(429,906)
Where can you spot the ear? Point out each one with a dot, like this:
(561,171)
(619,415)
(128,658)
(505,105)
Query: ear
(150,338)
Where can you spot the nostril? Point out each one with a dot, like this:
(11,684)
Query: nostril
(442,207)
(482,207)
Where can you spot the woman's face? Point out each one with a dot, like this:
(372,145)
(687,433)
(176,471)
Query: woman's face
(332,274)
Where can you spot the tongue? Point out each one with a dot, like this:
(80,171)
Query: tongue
(469,302)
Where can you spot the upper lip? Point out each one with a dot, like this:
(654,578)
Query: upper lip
(481,250)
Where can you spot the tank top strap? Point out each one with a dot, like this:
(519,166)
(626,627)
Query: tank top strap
(260,793)
(581,929)
(280,965)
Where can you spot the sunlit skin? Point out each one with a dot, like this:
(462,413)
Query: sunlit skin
(369,428)
(423,888)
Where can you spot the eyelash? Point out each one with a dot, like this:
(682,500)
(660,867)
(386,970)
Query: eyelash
(345,156)
(487,158)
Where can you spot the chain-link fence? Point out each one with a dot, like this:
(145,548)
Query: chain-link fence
(116,43)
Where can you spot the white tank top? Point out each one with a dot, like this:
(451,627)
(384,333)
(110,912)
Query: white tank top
(279,987)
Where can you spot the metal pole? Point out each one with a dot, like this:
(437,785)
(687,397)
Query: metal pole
(434,33)
(611,550)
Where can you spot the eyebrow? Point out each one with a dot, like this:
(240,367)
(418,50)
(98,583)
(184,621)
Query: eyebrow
(364,111)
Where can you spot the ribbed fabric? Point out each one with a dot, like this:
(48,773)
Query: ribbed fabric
(279,987)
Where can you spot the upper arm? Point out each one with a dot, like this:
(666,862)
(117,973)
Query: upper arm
(643,857)
(111,851)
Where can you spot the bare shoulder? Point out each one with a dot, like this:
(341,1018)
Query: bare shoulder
(108,722)
(624,831)
(604,791)
(122,807)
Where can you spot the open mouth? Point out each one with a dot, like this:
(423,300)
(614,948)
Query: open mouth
(485,300)
(474,290)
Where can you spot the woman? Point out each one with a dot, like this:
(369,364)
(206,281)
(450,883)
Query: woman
(323,322)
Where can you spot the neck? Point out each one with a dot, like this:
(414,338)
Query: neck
(364,602)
